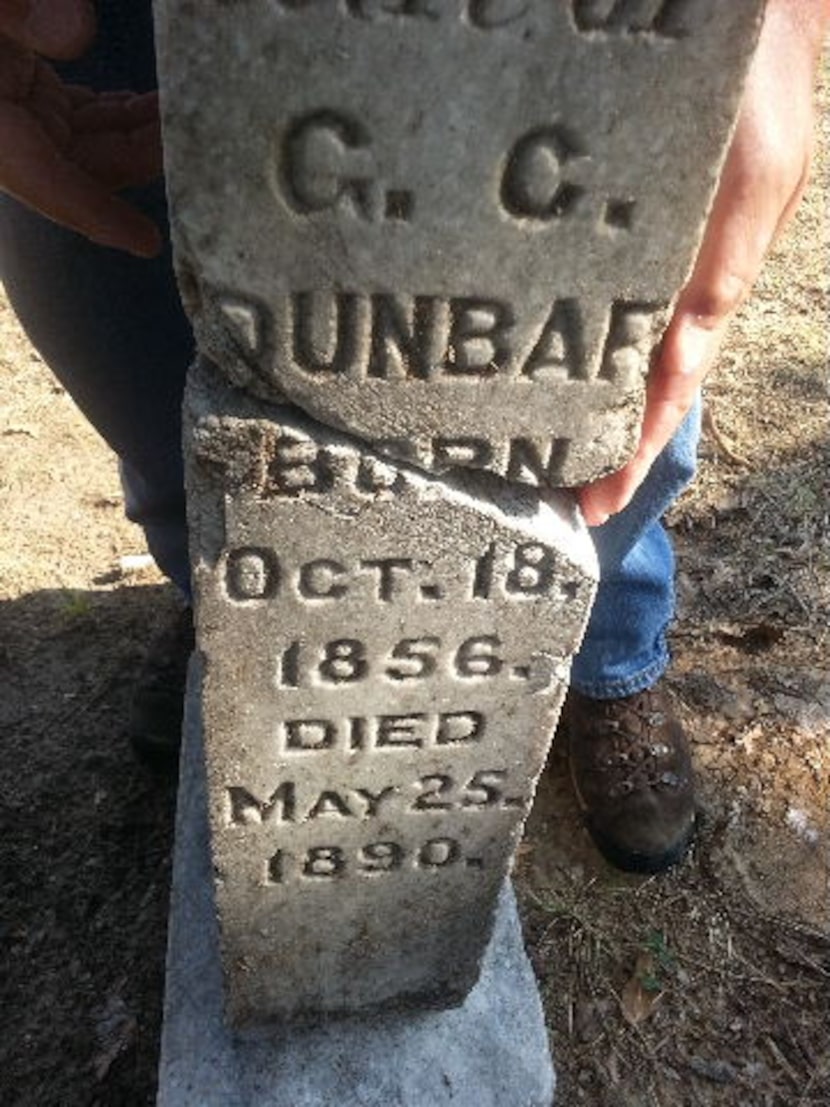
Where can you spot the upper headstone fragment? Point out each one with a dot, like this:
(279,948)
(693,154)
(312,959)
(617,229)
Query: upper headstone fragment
(450,227)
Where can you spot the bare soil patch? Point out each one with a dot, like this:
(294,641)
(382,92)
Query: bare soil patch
(710,985)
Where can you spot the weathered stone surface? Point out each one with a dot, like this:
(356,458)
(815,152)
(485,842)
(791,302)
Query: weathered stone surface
(490,1052)
(385,656)
(451,227)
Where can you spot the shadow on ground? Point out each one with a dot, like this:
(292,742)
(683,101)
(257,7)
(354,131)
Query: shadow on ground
(85,849)
(706,986)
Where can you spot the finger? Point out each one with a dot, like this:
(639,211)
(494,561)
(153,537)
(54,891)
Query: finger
(49,103)
(55,125)
(689,349)
(36,174)
(55,28)
(121,159)
(669,397)
(123,113)
(81,94)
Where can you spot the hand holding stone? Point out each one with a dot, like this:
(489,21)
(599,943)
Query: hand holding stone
(65,150)
(762,182)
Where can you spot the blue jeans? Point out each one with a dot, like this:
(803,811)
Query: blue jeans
(625,648)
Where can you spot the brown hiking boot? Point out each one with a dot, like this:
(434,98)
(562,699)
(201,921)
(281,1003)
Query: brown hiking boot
(632,772)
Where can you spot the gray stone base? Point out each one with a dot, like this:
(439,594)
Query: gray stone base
(490,1052)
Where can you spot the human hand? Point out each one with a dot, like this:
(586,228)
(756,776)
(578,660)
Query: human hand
(763,179)
(64,150)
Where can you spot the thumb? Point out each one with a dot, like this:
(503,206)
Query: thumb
(59,29)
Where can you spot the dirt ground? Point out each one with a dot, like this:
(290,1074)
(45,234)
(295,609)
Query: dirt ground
(705,986)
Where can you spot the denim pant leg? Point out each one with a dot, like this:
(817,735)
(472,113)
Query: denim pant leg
(625,648)
(111,328)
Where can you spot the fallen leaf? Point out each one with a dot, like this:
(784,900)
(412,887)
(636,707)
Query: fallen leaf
(642,993)
(753,639)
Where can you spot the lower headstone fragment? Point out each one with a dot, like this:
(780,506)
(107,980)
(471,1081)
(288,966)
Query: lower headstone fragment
(385,657)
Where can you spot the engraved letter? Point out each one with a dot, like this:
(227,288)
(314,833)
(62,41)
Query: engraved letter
(478,345)
(326,331)
(475,452)
(373,800)
(309,734)
(330,803)
(251,574)
(398,731)
(374,475)
(318,580)
(532,185)
(559,352)
(631,337)
(407,335)
(324,164)
(246,323)
(244,809)
(457,727)
(527,462)
(298,465)
(386,568)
